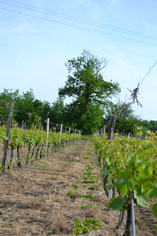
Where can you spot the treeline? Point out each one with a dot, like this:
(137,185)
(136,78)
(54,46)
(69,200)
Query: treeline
(91,104)
(28,109)
(34,112)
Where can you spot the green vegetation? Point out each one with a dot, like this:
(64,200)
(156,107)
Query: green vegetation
(83,195)
(90,92)
(87,196)
(130,167)
(94,187)
(92,103)
(85,226)
(78,177)
(74,186)
(35,141)
(86,158)
(88,178)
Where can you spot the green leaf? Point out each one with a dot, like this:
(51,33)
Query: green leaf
(141,199)
(154,209)
(148,171)
(153,193)
(122,183)
(117,203)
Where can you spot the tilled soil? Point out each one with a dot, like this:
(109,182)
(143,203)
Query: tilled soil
(41,200)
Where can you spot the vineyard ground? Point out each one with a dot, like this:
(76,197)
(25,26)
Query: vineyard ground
(35,200)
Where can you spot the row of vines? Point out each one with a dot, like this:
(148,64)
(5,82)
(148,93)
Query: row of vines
(129,172)
(34,143)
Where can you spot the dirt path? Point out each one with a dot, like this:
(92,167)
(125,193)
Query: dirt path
(43,200)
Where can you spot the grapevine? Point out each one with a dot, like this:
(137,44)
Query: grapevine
(130,169)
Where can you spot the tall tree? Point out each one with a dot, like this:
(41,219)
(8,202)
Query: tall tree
(90,92)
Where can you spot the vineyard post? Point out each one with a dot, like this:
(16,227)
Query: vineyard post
(61,128)
(69,130)
(111,127)
(6,142)
(47,135)
(22,127)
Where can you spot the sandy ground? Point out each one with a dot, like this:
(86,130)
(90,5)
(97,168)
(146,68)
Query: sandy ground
(35,200)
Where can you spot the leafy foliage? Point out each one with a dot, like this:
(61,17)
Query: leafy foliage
(89,91)
(132,164)
(85,226)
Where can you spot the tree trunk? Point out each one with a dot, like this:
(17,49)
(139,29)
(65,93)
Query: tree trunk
(29,150)
(11,158)
(6,142)
(18,156)
(128,223)
(37,152)
(105,181)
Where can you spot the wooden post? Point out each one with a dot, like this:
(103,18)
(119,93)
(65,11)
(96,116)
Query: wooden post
(47,135)
(111,127)
(69,130)
(22,127)
(61,128)
(48,127)
(6,142)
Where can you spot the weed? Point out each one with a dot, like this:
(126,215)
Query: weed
(85,226)
(78,177)
(70,193)
(94,187)
(88,178)
(86,158)
(89,167)
(74,186)
(89,153)
(91,196)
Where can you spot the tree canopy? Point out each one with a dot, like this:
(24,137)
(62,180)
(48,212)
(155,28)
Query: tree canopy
(89,91)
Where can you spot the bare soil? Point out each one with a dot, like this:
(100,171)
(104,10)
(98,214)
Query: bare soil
(35,200)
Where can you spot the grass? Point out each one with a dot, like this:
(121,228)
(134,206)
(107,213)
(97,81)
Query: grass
(93,205)
(87,137)
(43,167)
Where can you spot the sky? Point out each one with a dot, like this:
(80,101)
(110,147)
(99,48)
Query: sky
(37,37)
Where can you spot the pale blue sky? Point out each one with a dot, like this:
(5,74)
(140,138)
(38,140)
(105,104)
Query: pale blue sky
(33,50)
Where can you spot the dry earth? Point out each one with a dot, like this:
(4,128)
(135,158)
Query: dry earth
(35,200)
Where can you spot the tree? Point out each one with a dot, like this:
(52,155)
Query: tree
(6,97)
(126,121)
(90,92)
(57,112)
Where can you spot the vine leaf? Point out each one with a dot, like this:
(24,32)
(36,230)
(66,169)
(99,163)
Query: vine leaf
(117,203)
